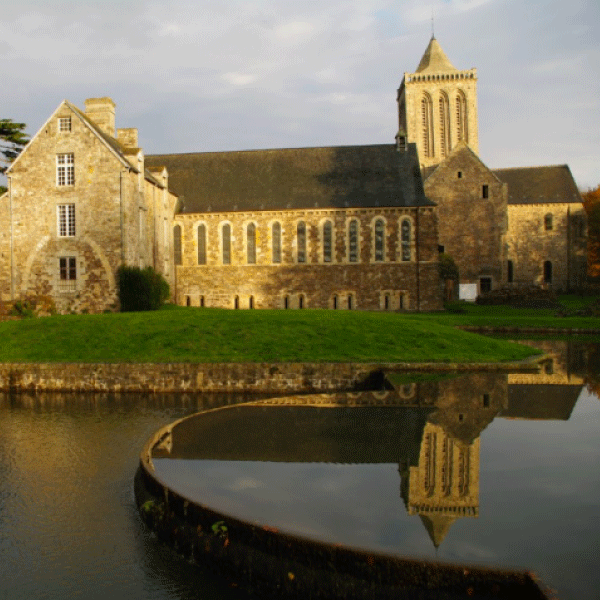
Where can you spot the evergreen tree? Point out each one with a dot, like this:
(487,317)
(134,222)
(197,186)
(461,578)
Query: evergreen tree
(12,140)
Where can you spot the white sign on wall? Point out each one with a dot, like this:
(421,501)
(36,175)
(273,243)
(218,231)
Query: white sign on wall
(467,291)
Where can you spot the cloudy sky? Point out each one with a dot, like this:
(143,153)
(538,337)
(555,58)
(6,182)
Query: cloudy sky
(213,75)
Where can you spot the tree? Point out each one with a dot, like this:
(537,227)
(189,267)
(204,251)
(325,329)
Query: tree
(12,140)
(591,203)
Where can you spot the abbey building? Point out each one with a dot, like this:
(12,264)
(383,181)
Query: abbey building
(355,227)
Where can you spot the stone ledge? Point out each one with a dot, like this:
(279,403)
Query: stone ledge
(284,378)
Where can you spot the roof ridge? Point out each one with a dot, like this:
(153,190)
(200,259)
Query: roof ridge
(532,167)
(249,150)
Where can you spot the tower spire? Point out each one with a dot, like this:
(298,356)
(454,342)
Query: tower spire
(432,31)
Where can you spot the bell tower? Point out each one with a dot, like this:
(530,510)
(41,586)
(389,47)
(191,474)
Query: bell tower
(437,107)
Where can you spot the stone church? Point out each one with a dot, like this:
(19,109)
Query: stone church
(356,227)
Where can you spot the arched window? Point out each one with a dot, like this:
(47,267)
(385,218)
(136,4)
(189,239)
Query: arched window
(379,231)
(335,301)
(462,133)
(251,244)
(300,301)
(510,271)
(236,302)
(201,301)
(353,241)
(251,302)
(226,241)
(301,241)
(386,302)
(547,272)
(444,125)
(350,302)
(427,125)
(201,244)
(276,242)
(327,241)
(286,302)
(548,223)
(177,245)
(405,239)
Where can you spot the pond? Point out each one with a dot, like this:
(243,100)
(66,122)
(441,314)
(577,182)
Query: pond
(487,468)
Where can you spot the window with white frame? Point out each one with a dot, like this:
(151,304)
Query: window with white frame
(67,273)
(66,220)
(64,124)
(65,169)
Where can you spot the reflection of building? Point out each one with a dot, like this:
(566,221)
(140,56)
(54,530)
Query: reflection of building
(445,485)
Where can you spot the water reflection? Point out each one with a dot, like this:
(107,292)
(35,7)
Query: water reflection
(528,496)
(360,468)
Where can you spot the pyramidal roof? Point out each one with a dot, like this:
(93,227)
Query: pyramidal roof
(434,59)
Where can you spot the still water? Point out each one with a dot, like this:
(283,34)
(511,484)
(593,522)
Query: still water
(493,469)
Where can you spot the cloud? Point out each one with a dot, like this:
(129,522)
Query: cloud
(238,78)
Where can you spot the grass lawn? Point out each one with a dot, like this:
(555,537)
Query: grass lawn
(507,316)
(179,334)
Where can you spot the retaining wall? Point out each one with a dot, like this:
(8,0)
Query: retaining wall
(215,377)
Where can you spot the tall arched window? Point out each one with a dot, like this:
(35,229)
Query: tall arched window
(201,244)
(327,241)
(379,231)
(276,242)
(226,241)
(427,125)
(405,239)
(462,132)
(301,241)
(444,115)
(353,241)
(251,244)
(177,257)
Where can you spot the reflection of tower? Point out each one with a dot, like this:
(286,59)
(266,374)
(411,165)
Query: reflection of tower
(445,485)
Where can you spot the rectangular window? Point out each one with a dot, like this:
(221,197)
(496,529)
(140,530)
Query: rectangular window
(66,220)
(485,191)
(64,124)
(68,273)
(65,169)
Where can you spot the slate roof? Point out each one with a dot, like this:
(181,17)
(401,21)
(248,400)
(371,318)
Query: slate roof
(434,59)
(539,185)
(295,178)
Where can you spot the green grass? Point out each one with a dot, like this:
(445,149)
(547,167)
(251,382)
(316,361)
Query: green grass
(178,334)
(507,316)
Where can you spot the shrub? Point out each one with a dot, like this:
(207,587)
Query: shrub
(141,289)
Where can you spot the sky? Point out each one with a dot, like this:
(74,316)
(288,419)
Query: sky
(209,75)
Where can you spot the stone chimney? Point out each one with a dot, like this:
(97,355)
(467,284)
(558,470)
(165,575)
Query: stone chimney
(128,137)
(102,112)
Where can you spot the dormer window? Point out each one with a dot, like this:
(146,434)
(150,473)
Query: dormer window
(64,124)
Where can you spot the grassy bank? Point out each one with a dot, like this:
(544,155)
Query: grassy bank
(506,316)
(178,334)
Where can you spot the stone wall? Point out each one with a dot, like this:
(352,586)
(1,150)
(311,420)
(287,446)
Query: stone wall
(266,378)
(472,228)
(314,283)
(4,247)
(531,244)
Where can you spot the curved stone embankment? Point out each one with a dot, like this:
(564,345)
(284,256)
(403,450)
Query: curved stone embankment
(273,564)
(267,378)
